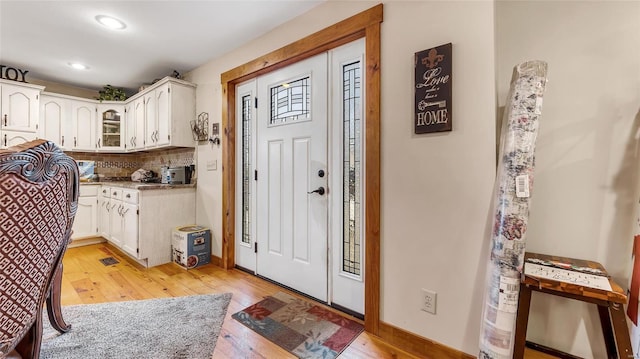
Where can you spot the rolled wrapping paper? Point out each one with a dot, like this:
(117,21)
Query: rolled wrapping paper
(511,198)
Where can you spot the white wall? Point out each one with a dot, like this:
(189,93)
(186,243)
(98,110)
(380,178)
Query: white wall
(587,156)
(436,188)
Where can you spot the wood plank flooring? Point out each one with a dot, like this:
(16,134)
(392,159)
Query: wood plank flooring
(87,281)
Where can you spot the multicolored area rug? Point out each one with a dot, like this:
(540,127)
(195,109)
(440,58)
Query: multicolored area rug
(303,328)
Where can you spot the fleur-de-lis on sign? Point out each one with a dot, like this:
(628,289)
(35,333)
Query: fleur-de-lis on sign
(432,59)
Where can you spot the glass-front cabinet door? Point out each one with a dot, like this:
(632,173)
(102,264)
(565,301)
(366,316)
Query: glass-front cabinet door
(111,127)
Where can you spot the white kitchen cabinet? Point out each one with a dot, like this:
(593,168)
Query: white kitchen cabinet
(85,224)
(119,218)
(138,139)
(115,217)
(54,119)
(111,127)
(104,203)
(130,223)
(140,222)
(169,106)
(156,117)
(150,118)
(134,119)
(12,138)
(135,124)
(83,125)
(130,126)
(163,115)
(161,211)
(19,106)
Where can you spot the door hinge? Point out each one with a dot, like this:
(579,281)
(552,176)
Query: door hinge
(169,137)
(255,247)
(36,126)
(256,102)
(255,175)
(137,250)
(169,90)
(137,211)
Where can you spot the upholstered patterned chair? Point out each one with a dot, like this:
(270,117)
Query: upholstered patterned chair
(38,201)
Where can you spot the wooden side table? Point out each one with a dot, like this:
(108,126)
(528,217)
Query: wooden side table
(610,307)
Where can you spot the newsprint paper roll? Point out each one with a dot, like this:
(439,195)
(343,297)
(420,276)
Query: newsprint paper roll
(511,198)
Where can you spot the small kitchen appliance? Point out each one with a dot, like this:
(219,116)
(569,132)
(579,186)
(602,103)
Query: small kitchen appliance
(176,175)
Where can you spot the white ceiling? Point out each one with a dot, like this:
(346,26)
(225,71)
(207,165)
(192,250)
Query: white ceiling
(43,37)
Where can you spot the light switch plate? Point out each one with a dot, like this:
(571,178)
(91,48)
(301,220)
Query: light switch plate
(212,165)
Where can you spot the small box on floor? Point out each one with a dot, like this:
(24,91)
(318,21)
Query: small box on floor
(191,246)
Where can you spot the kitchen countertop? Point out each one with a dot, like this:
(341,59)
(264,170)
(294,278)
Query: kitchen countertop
(138,185)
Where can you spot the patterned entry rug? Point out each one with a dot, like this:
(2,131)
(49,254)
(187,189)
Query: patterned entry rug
(303,328)
(167,328)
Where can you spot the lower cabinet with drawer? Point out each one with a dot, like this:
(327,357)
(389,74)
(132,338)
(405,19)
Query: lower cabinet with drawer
(139,222)
(85,224)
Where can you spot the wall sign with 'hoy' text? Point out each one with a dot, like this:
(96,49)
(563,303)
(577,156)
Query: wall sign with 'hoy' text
(13,74)
(433,89)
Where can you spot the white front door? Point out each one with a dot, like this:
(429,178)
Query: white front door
(292,181)
(297,127)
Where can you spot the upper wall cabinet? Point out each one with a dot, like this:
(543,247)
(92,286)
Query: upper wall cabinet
(83,125)
(111,127)
(54,124)
(12,138)
(154,118)
(19,106)
(167,108)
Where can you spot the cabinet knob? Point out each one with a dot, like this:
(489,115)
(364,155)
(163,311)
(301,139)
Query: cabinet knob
(128,196)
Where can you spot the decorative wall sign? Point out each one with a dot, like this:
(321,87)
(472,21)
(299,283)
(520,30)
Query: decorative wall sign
(433,89)
(13,74)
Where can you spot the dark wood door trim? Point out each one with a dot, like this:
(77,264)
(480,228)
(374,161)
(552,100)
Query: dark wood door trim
(365,24)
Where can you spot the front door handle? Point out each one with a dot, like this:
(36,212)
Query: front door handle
(319,191)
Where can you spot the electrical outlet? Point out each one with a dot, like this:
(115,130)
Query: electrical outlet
(428,301)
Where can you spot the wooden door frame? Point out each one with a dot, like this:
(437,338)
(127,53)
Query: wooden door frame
(365,24)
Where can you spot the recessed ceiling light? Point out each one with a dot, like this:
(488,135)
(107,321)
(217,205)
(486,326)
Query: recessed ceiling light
(110,22)
(78,66)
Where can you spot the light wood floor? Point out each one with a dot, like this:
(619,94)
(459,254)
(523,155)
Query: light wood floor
(87,281)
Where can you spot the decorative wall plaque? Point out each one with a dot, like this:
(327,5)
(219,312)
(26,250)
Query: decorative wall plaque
(433,90)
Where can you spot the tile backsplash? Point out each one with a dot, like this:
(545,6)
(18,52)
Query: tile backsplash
(120,166)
